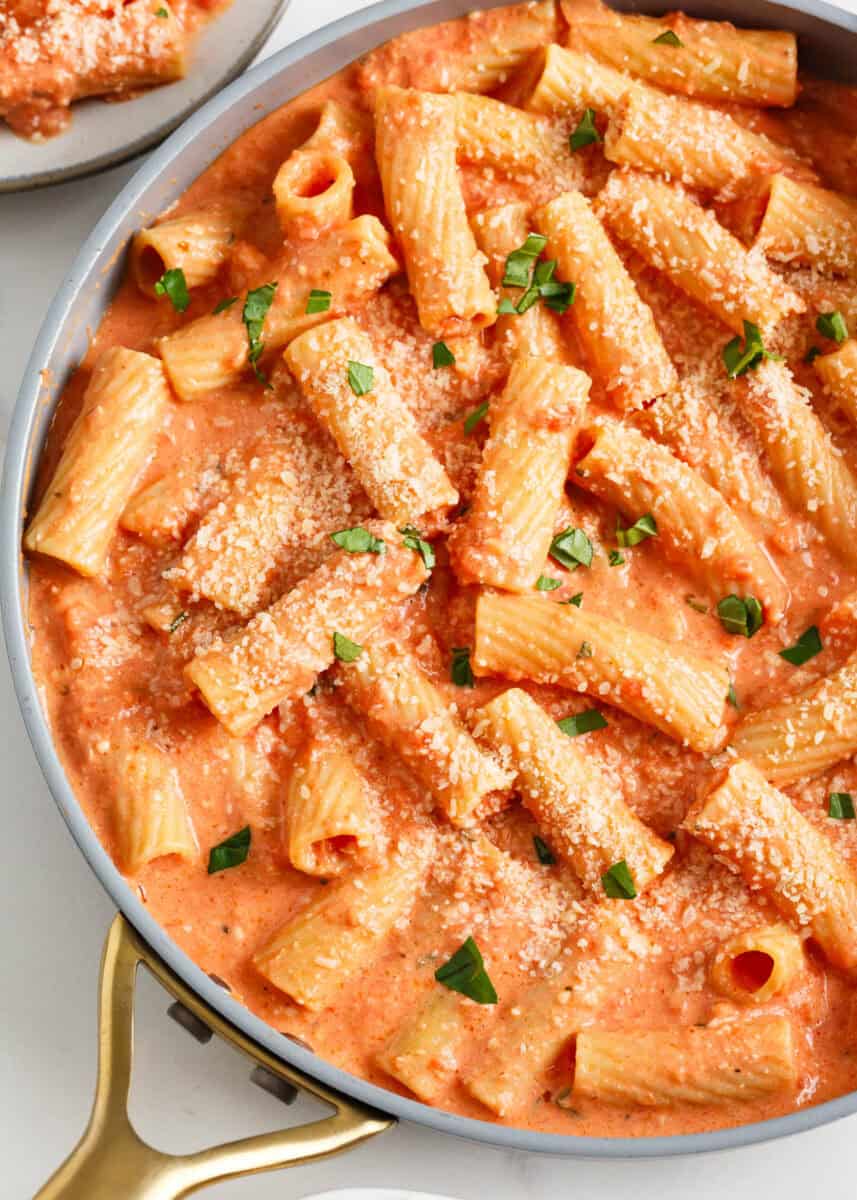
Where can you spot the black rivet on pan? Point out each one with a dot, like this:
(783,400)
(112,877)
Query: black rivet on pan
(275,1084)
(189,1021)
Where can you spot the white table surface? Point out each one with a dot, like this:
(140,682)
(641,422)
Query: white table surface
(53,917)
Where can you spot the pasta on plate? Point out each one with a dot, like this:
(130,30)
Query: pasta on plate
(443,572)
(54,52)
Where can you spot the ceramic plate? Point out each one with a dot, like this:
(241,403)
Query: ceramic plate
(103,135)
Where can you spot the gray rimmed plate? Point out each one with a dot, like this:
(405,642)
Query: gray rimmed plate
(103,135)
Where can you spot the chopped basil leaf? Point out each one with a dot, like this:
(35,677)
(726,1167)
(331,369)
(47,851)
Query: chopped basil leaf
(413,541)
(255,310)
(344,649)
(475,418)
(740,358)
(618,882)
(576,600)
(506,308)
(697,605)
(545,583)
(583,722)
(805,648)
(571,549)
(543,852)
(811,354)
(465,972)
(460,671)
(841,806)
(441,355)
(520,262)
(585,134)
(585,650)
(230,853)
(224,304)
(318,302)
(162,13)
(615,559)
(361,378)
(832,325)
(644,527)
(358,541)
(667,38)
(179,620)
(740,615)
(558,296)
(732,696)
(174,285)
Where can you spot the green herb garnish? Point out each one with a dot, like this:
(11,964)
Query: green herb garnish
(361,378)
(732,696)
(318,302)
(543,852)
(520,262)
(805,648)
(571,549)
(465,973)
(358,540)
(253,315)
(740,615)
(475,418)
(414,541)
(441,355)
(832,325)
(545,583)
(230,853)
(576,600)
(812,354)
(584,722)
(460,671)
(840,805)
(585,134)
(174,285)
(667,38)
(615,559)
(179,620)
(344,649)
(740,357)
(224,304)
(618,882)
(644,527)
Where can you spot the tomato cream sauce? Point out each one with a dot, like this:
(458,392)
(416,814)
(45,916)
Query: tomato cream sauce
(102,669)
(53,52)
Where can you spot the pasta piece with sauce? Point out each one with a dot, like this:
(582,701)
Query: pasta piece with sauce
(802,457)
(679,693)
(411,714)
(279,653)
(149,810)
(730,1063)
(370,423)
(838,372)
(615,326)
(717,61)
(326,819)
(351,263)
(806,734)
(342,930)
(560,81)
(313,191)
(809,225)
(493,134)
(504,539)
(757,964)
(694,523)
(415,146)
(196,243)
(584,820)
(125,406)
(758,831)
(674,234)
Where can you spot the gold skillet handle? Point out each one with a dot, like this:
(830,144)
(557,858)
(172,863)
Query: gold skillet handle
(112,1161)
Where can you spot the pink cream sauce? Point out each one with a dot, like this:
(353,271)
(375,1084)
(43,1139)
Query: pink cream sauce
(101,668)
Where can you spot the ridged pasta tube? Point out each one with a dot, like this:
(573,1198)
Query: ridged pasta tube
(810,225)
(150,815)
(326,818)
(504,539)
(756,965)
(761,835)
(679,693)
